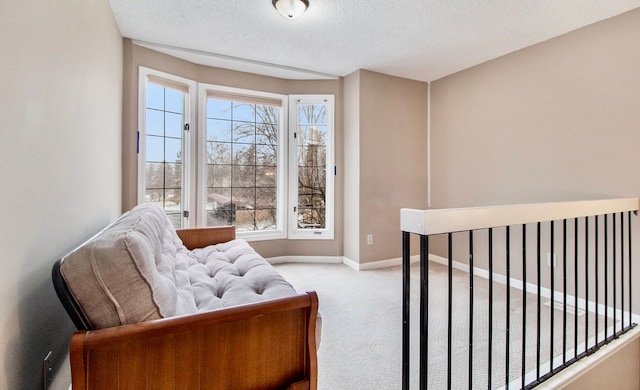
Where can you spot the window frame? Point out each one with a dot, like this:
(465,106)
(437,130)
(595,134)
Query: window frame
(328,232)
(281,173)
(188,87)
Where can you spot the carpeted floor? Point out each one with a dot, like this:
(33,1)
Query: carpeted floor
(362,328)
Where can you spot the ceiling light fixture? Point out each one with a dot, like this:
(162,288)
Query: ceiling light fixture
(291,9)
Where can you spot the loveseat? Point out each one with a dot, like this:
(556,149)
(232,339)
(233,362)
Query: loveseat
(182,309)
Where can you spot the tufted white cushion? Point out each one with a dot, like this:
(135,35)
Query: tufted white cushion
(137,269)
(228,274)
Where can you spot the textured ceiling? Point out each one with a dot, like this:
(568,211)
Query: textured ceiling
(417,39)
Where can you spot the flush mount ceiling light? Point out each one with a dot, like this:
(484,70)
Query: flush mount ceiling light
(291,9)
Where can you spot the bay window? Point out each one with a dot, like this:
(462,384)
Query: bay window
(261,161)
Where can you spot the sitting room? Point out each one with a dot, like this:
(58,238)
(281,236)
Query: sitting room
(309,134)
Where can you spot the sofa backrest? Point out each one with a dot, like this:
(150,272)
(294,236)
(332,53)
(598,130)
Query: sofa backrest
(125,274)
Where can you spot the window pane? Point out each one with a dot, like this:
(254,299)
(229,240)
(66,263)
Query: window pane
(266,198)
(266,177)
(311,180)
(172,199)
(220,217)
(244,154)
(245,112)
(243,198)
(312,156)
(243,176)
(155,149)
(267,114)
(173,149)
(266,155)
(265,219)
(173,100)
(218,153)
(173,125)
(155,196)
(155,175)
(312,135)
(218,198)
(173,175)
(244,132)
(311,218)
(245,220)
(220,209)
(218,130)
(218,175)
(155,122)
(218,109)
(155,96)
(267,134)
(312,114)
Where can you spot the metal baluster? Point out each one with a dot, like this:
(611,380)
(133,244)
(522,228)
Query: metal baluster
(586,283)
(622,270)
(490,365)
(575,288)
(424,310)
(552,303)
(450,315)
(630,273)
(524,304)
(539,301)
(508,324)
(606,274)
(564,291)
(615,295)
(470,381)
(596,256)
(406,252)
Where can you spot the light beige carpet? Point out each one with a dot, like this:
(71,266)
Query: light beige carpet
(362,327)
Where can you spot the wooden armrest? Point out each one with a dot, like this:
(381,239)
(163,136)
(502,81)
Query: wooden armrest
(200,237)
(264,345)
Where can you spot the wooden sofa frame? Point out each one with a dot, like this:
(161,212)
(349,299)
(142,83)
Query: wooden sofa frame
(265,345)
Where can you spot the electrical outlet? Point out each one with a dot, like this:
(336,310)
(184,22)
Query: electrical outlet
(549,260)
(47,371)
(369,239)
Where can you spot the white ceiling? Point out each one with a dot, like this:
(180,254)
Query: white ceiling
(417,39)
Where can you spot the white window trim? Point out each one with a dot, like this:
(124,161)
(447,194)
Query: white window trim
(262,235)
(188,198)
(328,232)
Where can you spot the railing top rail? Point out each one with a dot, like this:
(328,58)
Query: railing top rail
(437,221)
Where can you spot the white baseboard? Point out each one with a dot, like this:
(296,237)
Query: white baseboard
(350,263)
(378,264)
(305,259)
(340,260)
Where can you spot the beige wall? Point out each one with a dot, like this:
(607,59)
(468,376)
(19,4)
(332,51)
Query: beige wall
(617,370)
(391,145)
(60,164)
(557,121)
(351,143)
(136,56)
